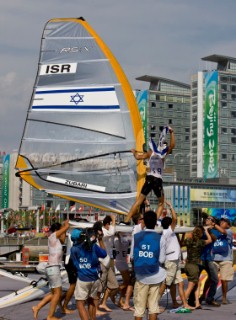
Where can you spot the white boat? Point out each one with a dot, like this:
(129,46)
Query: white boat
(17,276)
(34,290)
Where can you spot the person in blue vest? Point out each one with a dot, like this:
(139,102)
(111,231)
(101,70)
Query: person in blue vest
(223,254)
(85,256)
(148,254)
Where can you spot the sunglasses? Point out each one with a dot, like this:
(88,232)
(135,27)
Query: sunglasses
(210,219)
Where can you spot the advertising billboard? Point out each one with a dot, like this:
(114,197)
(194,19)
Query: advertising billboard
(213,195)
(211,126)
(5,181)
(141,98)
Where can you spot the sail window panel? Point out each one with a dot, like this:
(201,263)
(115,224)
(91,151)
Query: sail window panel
(49,131)
(95,122)
(50,152)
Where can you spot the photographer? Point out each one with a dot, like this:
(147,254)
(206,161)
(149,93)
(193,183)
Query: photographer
(85,255)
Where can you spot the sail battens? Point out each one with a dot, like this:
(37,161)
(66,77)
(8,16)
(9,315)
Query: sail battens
(80,61)
(68,38)
(82,122)
(84,142)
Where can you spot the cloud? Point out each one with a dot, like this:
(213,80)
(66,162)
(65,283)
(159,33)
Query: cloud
(165,38)
(14,104)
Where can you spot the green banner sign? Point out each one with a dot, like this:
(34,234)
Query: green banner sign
(211,169)
(141,99)
(5,181)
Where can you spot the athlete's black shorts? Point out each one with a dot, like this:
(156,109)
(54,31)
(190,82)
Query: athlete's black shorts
(152,183)
(71,272)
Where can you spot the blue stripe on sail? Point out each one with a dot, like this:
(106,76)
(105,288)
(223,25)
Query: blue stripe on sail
(115,107)
(76,90)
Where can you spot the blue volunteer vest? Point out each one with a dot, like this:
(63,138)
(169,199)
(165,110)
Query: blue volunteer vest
(146,252)
(86,262)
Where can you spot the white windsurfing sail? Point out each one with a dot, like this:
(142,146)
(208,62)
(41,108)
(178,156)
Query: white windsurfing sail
(82,122)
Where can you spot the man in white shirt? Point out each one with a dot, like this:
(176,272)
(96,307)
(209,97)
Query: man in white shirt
(108,278)
(173,258)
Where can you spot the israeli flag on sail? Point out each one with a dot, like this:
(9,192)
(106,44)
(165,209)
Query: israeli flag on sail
(89,99)
(160,149)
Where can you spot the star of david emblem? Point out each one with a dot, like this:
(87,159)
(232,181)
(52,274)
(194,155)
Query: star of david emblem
(77,98)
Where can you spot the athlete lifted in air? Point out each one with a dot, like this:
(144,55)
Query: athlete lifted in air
(156,156)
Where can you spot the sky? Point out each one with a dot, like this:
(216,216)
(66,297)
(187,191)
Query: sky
(163,38)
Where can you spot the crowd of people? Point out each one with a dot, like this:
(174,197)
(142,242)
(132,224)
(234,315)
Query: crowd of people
(156,258)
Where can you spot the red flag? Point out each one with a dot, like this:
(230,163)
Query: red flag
(81,208)
(73,208)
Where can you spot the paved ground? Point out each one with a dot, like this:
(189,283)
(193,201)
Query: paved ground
(23,311)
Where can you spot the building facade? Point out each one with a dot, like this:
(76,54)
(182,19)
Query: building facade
(213,117)
(200,173)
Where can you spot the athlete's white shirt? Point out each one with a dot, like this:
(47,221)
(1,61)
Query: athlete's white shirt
(121,245)
(108,239)
(156,166)
(173,251)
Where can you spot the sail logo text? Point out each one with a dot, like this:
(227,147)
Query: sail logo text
(75,49)
(76,184)
(58,68)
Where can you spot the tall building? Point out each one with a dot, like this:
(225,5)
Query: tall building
(213,121)
(201,171)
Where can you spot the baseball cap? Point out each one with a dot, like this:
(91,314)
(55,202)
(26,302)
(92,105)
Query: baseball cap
(75,234)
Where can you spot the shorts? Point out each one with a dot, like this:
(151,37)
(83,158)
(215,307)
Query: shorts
(53,274)
(153,183)
(85,290)
(192,272)
(173,272)
(108,279)
(146,296)
(226,270)
(71,272)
